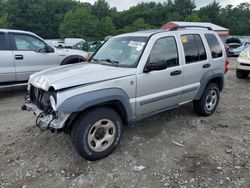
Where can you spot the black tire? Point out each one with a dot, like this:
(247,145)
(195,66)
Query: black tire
(241,74)
(200,106)
(84,124)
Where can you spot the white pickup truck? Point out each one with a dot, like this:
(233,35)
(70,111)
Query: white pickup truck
(24,53)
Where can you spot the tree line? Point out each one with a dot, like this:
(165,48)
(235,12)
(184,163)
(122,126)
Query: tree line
(71,18)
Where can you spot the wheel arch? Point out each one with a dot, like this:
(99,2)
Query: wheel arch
(115,105)
(214,76)
(113,98)
(72,59)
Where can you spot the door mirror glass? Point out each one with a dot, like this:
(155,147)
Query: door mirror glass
(156,66)
(49,49)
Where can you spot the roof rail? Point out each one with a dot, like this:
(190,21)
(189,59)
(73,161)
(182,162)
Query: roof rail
(184,26)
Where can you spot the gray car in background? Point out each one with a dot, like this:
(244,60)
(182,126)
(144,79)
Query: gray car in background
(24,53)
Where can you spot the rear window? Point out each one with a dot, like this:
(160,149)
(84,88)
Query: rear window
(214,45)
(3,45)
(193,48)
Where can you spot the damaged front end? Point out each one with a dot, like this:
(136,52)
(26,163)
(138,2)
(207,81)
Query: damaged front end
(43,105)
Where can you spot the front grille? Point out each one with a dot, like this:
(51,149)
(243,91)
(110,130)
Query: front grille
(244,64)
(41,99)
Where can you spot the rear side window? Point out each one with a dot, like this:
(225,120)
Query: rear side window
(214,45)
(194,48)
(3,44)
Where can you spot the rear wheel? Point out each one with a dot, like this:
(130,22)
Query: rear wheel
(97,133)
(241,74)
(208,101)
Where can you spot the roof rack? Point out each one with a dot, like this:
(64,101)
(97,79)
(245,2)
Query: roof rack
(184,26)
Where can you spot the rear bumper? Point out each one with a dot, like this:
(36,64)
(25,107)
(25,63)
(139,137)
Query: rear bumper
(56,121)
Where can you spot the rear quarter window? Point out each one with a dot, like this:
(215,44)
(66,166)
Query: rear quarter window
(214,45)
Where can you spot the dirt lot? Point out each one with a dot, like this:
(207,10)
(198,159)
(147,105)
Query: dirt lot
(176,148)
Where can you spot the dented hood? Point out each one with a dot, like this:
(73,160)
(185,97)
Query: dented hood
(77,74)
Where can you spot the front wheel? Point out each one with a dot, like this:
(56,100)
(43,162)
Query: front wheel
(208,101)
(97,133)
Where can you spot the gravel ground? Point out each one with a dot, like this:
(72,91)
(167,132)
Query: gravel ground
(173,149)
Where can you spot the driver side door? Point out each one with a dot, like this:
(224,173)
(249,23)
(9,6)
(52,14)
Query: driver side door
(30,55)
(160,89)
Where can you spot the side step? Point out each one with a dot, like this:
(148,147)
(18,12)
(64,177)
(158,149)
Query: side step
(10,85)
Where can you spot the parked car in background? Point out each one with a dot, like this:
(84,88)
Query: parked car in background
(90,46)
(236,49)
(58,43)
(24,53)
(243,64)
(70,42)
(236,45)
(130,77)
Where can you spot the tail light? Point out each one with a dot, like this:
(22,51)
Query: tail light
(227,59)
(226,65)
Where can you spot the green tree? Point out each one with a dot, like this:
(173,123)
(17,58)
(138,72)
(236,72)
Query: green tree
(211,13)
(3,21)
(194,17)
(101,9)
(79,23)
(183,7)
(42,17)
(137,25)
(105,27)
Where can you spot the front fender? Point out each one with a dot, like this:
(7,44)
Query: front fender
(83,101)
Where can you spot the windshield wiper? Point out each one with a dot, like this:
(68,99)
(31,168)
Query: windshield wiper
(115,63)
(95,60)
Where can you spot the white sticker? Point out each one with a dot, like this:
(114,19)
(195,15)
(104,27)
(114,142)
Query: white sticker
(137,45)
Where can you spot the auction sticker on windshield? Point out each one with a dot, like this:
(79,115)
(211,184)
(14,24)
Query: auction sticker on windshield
(137,45)
(184,39)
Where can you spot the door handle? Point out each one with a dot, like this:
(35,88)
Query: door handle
(18,57)
(175,73)
(206,66)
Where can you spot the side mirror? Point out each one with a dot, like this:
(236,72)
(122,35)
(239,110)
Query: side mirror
(156,66)
(49,49)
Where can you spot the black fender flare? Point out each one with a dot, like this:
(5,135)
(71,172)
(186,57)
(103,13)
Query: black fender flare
(81,102)
(207,77)
(70,58)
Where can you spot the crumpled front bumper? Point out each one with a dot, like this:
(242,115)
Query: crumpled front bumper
(43,121)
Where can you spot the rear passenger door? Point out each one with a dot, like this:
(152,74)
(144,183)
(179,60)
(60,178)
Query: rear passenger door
(196,64)
(7,67)
(218,60)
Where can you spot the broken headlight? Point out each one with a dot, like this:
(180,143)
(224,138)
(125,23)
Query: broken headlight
(53,102)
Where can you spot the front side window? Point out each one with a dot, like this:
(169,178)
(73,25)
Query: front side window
(3,45)
(125,51)
(193,48)
(28,43)
(165,49)
(214,45)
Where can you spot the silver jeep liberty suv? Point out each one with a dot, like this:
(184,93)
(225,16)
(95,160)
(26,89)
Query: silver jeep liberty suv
(131,77)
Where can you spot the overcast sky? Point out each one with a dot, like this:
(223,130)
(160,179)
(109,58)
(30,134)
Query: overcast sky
(125,4)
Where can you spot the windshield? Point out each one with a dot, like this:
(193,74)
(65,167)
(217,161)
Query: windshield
(126,51)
